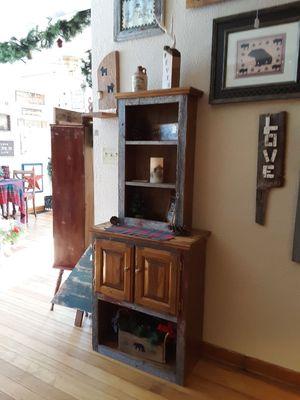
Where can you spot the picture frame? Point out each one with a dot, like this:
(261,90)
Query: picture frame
(135,19)
(252,64)
(4,122)
(38,169)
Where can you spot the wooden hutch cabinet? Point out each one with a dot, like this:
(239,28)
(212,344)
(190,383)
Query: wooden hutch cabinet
(159,280)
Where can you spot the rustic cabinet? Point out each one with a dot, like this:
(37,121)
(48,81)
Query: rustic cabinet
(158,282)
(143,275)
(114,267)
(156,279)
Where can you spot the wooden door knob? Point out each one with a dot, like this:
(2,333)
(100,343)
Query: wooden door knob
(137,270)
(126,268)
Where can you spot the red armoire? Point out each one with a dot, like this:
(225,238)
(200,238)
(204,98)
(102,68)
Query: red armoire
(72,191)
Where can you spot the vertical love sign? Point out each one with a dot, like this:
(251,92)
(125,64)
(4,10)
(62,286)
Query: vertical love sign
(270,161)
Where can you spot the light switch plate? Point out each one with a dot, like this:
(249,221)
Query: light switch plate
(109,155)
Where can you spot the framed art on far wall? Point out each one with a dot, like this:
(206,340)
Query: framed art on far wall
(4,122)
(250,64)
(137,18)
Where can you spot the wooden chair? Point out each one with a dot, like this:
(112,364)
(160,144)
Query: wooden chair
(29,179)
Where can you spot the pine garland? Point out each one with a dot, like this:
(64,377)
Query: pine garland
(20,49)
(86,68)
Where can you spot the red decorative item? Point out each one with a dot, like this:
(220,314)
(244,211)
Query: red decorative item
(166,328)
(33,182)
(59,42)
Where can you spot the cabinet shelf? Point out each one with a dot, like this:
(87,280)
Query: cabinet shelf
(136,307)
(151,185)
(151,142)
(165,371)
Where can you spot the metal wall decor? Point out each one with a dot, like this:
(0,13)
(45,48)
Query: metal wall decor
(270,160)
(255,55)
(137,18)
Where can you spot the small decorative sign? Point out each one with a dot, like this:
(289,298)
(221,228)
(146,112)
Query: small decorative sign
(270,162)
(171,68)
(7,148)
(108,83)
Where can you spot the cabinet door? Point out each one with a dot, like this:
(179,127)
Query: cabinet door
(156,279)
(113,269)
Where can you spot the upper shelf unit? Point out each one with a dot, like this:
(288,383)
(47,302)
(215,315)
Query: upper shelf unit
(157,125)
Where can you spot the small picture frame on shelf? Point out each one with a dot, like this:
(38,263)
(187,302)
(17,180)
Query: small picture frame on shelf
(135,19)
(164,132)
(255,55)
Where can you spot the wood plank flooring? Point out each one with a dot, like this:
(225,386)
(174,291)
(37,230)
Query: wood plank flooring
(43,356)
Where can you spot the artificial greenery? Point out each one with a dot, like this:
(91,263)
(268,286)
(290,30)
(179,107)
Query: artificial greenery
(49,167)
(86,68)
(143,326)
(36,39)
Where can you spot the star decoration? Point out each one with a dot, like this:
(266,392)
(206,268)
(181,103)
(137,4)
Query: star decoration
(33,182)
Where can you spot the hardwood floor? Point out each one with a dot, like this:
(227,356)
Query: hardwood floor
(43,356)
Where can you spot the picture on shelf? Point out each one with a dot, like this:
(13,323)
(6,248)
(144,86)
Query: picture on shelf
(156,169)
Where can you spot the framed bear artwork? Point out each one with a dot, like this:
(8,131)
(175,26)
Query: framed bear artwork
(255,55)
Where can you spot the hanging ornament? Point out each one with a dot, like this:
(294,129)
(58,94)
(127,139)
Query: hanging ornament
(256,21)
(59,42)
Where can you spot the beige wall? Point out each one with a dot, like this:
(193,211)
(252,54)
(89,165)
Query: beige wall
(252,302)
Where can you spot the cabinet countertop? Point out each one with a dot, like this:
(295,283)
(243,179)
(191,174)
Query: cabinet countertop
(179,242)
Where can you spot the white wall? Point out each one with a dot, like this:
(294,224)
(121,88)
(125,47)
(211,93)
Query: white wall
(56,74)
(252,300)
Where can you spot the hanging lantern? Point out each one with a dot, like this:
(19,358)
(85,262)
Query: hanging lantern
(59,42)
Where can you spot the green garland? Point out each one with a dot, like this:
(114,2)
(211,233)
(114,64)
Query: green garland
(86,68)
(20,49)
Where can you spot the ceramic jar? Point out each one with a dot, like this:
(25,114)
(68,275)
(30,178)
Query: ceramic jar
(139,79)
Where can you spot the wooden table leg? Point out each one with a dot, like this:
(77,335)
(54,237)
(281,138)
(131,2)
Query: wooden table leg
(58,283)
(79,318)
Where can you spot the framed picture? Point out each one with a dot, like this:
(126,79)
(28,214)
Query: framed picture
(38,169)
(4,122)
(201,3)
(250,64)
(137,18)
